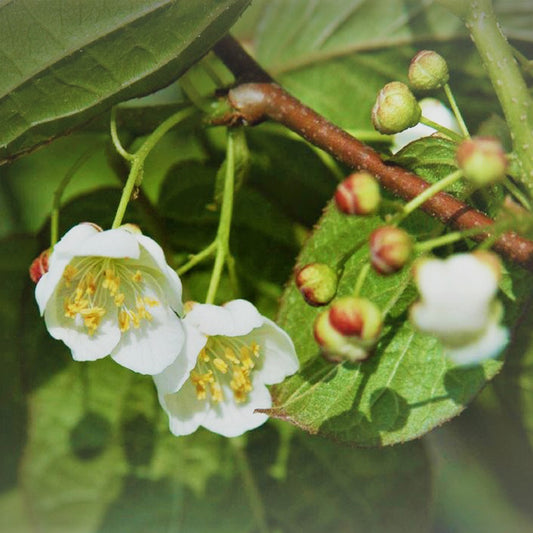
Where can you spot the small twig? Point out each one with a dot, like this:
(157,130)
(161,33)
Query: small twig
(254,102)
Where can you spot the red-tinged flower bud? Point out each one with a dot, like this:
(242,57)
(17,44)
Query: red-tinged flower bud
(390,249)
(358,194)
(348,330)
(39,266)
(317,282)
(482,160)
(428,70)
(396,109)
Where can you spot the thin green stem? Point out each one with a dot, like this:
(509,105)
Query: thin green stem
(363,273)
(417,201)
(224,224)
(137,161)
(456,112)
(517,193)
(509,85)
(58,193)
(197,258)
(442,129)
(250,485)
(115,138)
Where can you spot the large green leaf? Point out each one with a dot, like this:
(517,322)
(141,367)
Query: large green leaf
(405,389)
(63,64)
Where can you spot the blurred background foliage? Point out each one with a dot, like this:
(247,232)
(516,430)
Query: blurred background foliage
(84,448)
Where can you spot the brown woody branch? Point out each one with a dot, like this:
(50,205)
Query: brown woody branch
(262,99)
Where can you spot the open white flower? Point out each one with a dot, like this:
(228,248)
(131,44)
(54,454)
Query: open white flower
(458,306)
(112,293)
(236,353)
(435,111)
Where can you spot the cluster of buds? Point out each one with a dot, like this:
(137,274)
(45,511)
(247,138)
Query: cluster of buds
(348,330)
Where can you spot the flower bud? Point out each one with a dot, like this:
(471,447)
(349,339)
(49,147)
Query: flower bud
(39,266)
(358,194)
(482,160)
(396,109)
(317,282)
(428,70)
(348,330)
(491,260)
(390,249)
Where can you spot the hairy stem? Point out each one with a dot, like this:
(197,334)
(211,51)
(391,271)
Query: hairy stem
(509,85)
(254,102)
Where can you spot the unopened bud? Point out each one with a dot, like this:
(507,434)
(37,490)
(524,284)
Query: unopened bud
(390,249)
(482,160)
(396,109)
(348,330)
(428,70)
(358,194)
(491,260)
(39,266)
(317,282)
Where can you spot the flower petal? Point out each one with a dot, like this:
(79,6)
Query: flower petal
(233,319)
(74,237)
(172,288)
(73,333)
(232,419)
(185,412)
(280,359)
(49,281)
(110,243)
(173,377)
(489,345)
(154,345)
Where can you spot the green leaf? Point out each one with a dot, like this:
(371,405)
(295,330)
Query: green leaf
(404,390)
(62,66)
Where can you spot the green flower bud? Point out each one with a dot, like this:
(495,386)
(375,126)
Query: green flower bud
(482,160)
(390,249)
(428,70)
(396,109)
(317,282)
(348,330)
(358,194)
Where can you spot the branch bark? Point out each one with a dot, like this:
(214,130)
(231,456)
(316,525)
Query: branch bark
(263,99)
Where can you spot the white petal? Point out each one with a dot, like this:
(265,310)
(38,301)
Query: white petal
(432,109)
(232,419)
(154,345)
(185,412)
(233,319)
(49,281)
(111,243)
(74,334)
(489,345)
(173,288)
(74,238)
(278,354)
(173,377)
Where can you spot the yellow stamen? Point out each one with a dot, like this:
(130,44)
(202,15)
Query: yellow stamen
(92,318)
(123,320)
(221,365)
(137,277)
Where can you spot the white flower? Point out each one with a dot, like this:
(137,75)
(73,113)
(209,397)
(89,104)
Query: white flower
(435,111)
(458,306)
(235,352)
(112,293)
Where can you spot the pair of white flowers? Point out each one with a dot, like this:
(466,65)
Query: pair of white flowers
(112,293)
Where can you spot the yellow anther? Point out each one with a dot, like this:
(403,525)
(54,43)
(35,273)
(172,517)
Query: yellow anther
(124,320)
(203,356)
(137,277)
(92,318)
(255,349)
(69,273)
(111,281)
(220,365)
(229,354)
(246,360)
(150,302)
(119,299)
(136,320)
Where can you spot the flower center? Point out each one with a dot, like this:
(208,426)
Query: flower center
(97,286)
(225,361)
